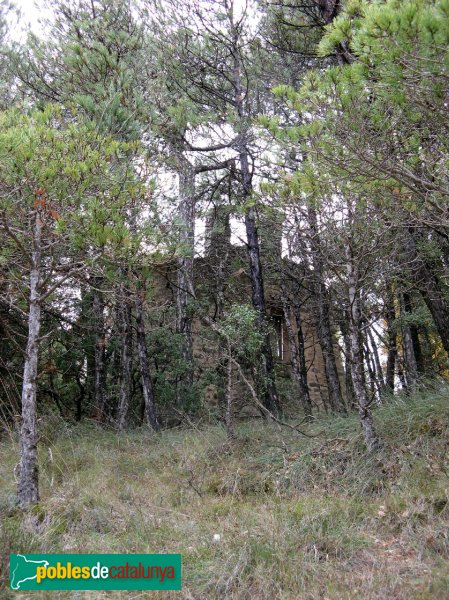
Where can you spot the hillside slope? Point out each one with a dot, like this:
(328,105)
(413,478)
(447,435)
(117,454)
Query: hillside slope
(274,515)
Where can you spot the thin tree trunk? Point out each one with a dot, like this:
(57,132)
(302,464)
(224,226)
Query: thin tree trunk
(28,485)
(414,335)
(411,367)
(217,246)
(380,381)
(222,258)
(54,395)
(426,348)
(126,362)
(100,352)
(270,397)
(355,324)
(390,316)
(297,354)
(88,345)
(323,318)
(185,289)
(400,370)
(344,326)
(147,383)
(80,397)
(431,289)
(370,368)
(229,417)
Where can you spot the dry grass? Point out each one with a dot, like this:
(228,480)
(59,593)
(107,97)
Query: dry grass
(297,518)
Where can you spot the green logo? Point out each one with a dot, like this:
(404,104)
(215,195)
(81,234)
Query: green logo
(95,571)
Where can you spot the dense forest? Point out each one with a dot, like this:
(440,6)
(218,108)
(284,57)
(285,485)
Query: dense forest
(225,216)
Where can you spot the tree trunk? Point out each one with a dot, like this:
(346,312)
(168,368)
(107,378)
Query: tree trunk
(270,397)
(344,327)
(28,490)
(297,354)
(222,372)
(323,317)
(100,352)
(147,383)
(370,368)
(355,325)
(126,362)
(88,345)
(229,417)
(379,376)
(400,370)
(429,366)
(185,289)
(390,316)
(80,397)
(414,335)
(431,289)
(410,364)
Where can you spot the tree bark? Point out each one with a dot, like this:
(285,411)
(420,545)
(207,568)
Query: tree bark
(270,397)
(100,352)
(390,316)
(28,485)
(344,327)
(379,376)
(430,288)
(80,397)
(297,354)
(408,348)
(147,383)
(323,317)
(229,417)
(400,370)
(221,255)
(89,347)
(126,363)
(355,325)
(429,366)
(370,368)
(414,335)
(185,290)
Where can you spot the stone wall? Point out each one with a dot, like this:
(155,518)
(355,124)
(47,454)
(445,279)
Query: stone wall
(222,277)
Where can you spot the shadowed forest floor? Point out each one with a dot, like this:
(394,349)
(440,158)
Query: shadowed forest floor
(297,518)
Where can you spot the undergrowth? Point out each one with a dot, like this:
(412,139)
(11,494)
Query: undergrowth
(272,515)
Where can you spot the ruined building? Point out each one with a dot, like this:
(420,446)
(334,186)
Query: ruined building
(222,279)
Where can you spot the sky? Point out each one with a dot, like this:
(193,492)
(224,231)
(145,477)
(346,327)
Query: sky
(30,15)
(31,12)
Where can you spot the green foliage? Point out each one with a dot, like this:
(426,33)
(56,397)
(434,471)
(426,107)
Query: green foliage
(376,106)
(241,330)
(63,168)
(92,56)
(169,369)
(372,135)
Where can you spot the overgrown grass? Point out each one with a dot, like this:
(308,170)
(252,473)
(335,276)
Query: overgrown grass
(298,518)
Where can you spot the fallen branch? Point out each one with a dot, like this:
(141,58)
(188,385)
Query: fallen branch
(208,321)
(264,409)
